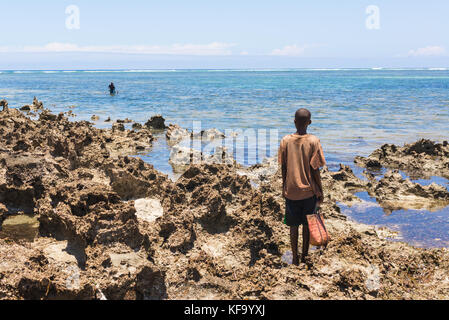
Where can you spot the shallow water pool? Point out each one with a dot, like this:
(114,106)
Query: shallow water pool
(421,228)
(20,227)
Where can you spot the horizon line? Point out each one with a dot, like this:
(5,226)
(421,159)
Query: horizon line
(439,68)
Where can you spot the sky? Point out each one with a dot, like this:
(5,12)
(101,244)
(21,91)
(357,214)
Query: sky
(168,34)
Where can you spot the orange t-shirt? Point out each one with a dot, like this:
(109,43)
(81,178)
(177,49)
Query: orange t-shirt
(299,154)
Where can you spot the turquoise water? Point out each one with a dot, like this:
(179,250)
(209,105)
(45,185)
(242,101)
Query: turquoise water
(354,111)
(418,227)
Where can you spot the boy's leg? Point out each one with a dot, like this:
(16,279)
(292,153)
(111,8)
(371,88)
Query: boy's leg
(294,243)
(305,242)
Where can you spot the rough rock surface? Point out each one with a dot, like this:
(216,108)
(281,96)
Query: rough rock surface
(156,122)
(423,158)
(37,105)
(176,134)
(209,134)
(148,209)
(393,192)
(182,157)
(4,105)
(3,212)
(137,126)
(124,121)
(261,172)
(75,180)
(218,236)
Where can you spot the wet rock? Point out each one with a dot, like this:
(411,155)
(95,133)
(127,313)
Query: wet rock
(176,134)
(341,185)
(3,213)
(124,121)
(394,193)
(209,134)
(19,228)
(118,127)
(184,156)
(25,108)
(137,126)
(95,118)
(37,105)
(4,105)
(47,116)
(156,122)
(421,159)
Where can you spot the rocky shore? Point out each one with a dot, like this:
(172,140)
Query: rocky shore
(110,226)
(423,158)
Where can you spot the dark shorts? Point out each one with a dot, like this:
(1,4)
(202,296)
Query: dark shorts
(296,211)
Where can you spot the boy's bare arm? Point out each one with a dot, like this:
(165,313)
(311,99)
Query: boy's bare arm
(284,174)
(283,163)
(317,177)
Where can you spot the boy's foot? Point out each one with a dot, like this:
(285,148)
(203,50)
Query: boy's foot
(305,260)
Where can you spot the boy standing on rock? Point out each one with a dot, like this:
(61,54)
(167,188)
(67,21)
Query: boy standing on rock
(301,157)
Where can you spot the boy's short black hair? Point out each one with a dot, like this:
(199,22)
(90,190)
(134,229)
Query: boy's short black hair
(303,116)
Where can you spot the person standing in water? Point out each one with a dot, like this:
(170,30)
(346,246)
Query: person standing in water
(112,89)
(301,157)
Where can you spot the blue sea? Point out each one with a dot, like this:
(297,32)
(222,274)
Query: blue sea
(354,112)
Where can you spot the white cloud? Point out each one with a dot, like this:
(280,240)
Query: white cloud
(293,50)
(214,49)
(427,51)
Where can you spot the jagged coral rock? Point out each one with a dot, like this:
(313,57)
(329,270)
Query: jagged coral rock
(218,237)
(423,158)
